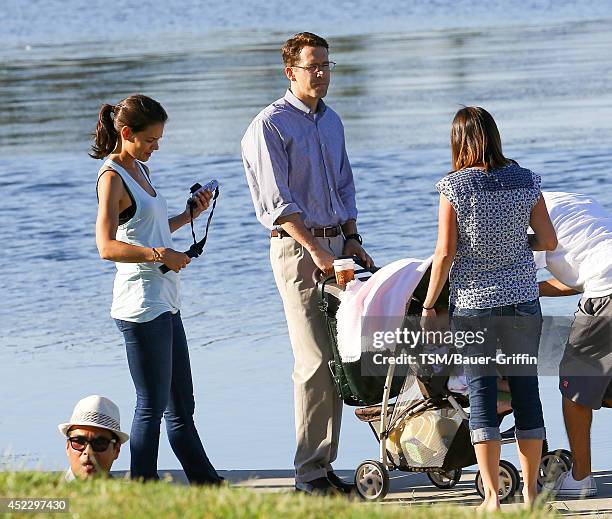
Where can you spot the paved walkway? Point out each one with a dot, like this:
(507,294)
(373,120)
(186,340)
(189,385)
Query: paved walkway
(415,489)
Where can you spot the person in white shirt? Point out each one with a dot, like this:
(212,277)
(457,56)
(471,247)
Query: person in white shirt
(134,230)
(581,264)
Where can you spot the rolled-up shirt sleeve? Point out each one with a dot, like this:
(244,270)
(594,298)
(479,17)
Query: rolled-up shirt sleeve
(267,170)
(346,186)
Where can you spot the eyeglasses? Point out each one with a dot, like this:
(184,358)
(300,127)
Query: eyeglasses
(98,444)
(314,68)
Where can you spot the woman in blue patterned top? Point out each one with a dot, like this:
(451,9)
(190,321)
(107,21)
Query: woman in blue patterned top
(486,206)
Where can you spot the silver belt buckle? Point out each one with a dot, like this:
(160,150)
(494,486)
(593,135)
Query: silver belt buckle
(332,229)
(325,231)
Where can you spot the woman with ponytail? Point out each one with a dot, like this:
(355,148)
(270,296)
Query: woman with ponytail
(134,231)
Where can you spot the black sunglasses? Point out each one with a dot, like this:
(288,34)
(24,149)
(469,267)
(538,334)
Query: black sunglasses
(98,444)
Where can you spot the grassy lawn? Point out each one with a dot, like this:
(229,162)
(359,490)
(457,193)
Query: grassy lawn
(121,498)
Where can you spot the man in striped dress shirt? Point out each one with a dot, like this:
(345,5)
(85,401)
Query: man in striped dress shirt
(302,187)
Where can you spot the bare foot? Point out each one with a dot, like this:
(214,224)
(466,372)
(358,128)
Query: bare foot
(529,499)
(488,506)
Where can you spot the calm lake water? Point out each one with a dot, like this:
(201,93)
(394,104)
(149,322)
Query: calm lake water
(403,72)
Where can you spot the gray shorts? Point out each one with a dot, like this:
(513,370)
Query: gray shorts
(585,372)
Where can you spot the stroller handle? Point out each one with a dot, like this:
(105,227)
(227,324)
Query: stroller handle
(317,275)
(318,279)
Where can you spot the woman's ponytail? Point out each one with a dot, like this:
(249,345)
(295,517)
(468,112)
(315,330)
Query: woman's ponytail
(137,112)
(105,136)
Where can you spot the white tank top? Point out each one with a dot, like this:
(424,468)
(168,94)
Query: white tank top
(141,292)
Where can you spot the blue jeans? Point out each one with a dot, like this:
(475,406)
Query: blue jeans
(514,328)
(158,359)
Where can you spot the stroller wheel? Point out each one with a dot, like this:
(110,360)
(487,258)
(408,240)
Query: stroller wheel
(552,465)
(446,479)
(508,481)
(372,480)
(566,455)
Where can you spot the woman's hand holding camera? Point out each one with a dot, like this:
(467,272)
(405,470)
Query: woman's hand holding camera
(174,260)
(199,202)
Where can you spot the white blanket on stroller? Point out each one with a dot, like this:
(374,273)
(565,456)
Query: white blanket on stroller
(376,305)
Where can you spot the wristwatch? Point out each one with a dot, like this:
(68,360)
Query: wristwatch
(354,236)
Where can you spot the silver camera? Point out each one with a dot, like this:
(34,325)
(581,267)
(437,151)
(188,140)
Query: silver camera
(198,188)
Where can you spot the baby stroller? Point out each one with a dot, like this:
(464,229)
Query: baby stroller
(420,425)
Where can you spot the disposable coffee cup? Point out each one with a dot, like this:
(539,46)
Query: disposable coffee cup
(345,270)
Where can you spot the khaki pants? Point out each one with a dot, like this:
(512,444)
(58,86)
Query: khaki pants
(318,408)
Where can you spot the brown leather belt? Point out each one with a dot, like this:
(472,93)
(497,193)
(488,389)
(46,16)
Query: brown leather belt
(319,232)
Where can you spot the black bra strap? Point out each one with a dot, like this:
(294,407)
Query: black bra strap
(127,214)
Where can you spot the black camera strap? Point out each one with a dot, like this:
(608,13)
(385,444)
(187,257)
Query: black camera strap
(197,247)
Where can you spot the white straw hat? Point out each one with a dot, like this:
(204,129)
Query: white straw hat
(96,411)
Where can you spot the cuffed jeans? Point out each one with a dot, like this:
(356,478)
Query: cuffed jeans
(506,326)
(158,359)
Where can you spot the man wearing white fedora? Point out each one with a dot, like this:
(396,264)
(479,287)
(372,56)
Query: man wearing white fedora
(93,437)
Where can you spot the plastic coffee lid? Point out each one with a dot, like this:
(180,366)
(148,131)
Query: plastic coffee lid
(344,262)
